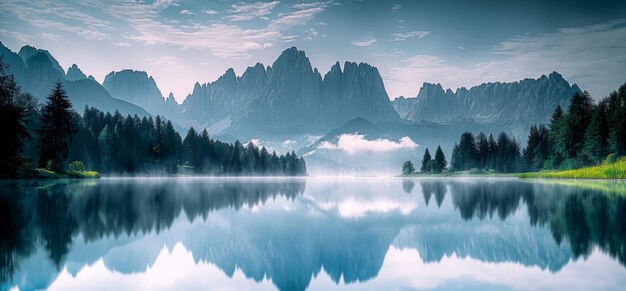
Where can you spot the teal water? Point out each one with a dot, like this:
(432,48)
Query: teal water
(312,233)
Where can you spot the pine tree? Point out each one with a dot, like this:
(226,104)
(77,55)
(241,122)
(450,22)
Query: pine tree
(467,151)
(578,118)
(493,151)
(13,131)
(426,162)
(617,122)
(595,145)
(440,163)
(57,129)
(482,151)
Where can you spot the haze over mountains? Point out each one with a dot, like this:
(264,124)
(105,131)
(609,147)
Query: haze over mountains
(292,106)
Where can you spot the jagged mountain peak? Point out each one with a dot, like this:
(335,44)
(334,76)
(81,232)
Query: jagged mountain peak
(292,57)
(74,73)
(27,51)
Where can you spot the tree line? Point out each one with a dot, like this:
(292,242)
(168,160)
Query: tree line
(52,135)
(429,164)
(586,134)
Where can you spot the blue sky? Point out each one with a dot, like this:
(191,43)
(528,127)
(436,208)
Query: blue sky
(455,43)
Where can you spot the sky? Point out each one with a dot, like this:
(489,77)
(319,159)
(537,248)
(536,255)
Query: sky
(455,43)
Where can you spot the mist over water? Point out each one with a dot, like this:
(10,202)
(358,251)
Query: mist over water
(312,233)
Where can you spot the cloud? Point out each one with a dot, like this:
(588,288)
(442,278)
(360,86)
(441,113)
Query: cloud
(288,143)
(57,16)
(223,40)
(161,4)
(302,15)
(187,12)
(210,11)
(17,35)
(365,41)
(396,7)
(247,11)
(410,34)
(356,143)
(573,52)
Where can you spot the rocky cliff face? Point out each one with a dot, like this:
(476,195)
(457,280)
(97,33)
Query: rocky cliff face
(516,105)
(74,73)
(291,94)
(135,87)
(36,71)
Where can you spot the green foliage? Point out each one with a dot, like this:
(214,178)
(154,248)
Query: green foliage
(57,129)
(77,166)
(439,163)
(408,168)
(13,131)
(615,170)
(426,162)
(484,153)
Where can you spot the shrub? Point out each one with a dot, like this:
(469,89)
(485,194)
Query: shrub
(77,166)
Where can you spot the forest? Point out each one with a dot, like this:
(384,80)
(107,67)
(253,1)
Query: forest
(587,134)
(54,138)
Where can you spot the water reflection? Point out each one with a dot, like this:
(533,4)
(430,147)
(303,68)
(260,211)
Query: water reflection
(289,231)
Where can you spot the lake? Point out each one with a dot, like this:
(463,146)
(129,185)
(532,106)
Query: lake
(312,233)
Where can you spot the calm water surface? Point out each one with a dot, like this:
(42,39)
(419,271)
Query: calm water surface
(314,233)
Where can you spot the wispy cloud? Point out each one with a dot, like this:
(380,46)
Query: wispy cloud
(161,4)
(56,16)
(357,143)
(410,34)
(247,11)
(396,7)
(210,11)
(367,41)
(187,12)
(300,16)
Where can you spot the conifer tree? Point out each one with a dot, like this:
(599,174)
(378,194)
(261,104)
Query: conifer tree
(13,131)
(426,162)
(57,129)
(440,162)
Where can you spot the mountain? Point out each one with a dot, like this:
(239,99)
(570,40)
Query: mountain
(289,95)
(87,92)
(28,51)
(515,106)
(36,71)
(135,87)
(74,73)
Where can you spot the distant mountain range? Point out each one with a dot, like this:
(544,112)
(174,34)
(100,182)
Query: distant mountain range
(514,106)
(36,71)
(290,95)
(291,106)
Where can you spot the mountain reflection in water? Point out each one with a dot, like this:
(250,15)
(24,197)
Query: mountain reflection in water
(289,230)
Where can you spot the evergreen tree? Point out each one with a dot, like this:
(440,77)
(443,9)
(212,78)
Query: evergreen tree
(482,151)
(426,162)
(556,133)
(440,162)
(57,129)
(467,151)
(13,131)
(493,151)
(408,168)
(595,147)
(577,120)
(617,121)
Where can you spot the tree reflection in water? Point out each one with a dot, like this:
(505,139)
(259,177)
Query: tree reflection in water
(291,248)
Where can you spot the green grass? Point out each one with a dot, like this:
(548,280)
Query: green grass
(615,170)
(47,174)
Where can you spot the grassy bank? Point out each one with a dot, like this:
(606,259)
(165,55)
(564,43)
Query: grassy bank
(615,170)
(47,174)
